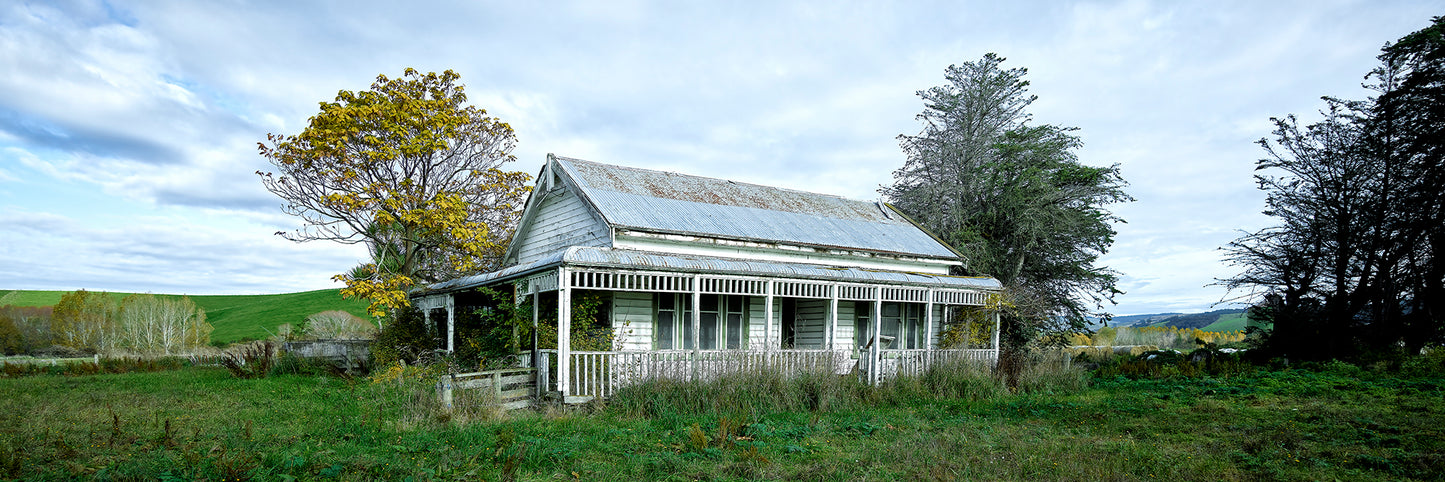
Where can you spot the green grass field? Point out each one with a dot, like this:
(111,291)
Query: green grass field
(233,316)
(200,423)
(1230,322)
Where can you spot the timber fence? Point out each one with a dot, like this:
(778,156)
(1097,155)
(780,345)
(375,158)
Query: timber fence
(511,388)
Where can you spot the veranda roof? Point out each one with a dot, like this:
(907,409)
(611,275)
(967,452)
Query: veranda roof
(586,256)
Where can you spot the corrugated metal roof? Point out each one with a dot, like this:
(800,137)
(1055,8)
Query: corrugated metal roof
(649,261)
(483,279)
(648,200)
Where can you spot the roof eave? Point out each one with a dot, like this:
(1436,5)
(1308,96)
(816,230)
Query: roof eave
(952,259)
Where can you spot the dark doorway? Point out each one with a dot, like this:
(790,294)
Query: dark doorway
(790,310)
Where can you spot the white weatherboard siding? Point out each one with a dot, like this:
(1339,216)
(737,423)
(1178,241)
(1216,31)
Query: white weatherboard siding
(562,220)
(937,325)
(632,319)
(758,324)
(811,324)
(845,325)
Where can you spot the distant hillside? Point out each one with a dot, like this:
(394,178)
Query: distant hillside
(1217,320)
(233,316)
(1140,320)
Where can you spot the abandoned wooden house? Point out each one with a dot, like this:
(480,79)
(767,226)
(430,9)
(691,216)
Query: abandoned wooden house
(702,276)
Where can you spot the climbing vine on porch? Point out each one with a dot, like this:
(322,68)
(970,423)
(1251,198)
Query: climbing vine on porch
(500,329)
(591,330)
(972,327)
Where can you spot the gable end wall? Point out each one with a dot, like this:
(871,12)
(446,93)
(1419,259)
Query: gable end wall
(562,220)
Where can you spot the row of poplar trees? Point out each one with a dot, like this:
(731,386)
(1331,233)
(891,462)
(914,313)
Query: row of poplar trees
(141,324)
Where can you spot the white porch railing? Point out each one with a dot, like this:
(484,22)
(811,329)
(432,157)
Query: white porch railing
(916,362)
(600,373)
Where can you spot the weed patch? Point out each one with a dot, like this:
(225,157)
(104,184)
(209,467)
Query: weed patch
(253,361)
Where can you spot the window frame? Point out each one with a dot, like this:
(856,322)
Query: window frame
(713,321)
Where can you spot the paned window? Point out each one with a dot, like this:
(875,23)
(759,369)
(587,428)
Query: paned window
(903,322)
(723,321)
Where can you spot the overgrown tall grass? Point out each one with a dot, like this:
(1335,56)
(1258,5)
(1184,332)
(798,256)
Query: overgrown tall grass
(412,393)
(753,394)
(1334,422)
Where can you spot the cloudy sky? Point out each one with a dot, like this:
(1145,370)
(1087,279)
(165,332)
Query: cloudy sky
(128,130)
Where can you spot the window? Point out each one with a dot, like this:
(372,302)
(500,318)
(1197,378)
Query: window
(903,322)
(862,323)
(672,325)
(736,316)
(723,322)
(892,317)
(709,324)
(664,330)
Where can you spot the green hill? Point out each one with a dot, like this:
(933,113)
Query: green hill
(1217,320)
(233,316)
(1201,321)
(1228,322)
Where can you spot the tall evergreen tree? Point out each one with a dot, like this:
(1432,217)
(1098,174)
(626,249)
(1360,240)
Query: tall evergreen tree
(1409,120)
(1012,198)
(1353,264)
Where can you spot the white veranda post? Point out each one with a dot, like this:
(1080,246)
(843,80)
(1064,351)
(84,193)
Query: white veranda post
(536,307)
(451,323)
(928,326)
(768,343)
(995,336)
(875,354)
(564,331)
(833,318)
(696,322)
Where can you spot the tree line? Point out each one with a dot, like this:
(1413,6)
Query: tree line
(85,322)
(1353,265)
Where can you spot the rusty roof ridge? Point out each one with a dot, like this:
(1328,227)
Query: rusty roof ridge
(696,176)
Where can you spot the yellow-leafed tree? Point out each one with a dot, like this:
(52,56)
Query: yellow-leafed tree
(411,171)
(84,320)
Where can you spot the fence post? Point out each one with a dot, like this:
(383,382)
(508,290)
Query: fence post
(445,385)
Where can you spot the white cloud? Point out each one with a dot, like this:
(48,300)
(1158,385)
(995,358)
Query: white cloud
(161,254)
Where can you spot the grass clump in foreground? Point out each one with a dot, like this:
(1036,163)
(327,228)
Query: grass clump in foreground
(1336,421)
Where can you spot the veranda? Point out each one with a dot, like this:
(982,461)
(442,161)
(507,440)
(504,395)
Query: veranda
(884,319)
